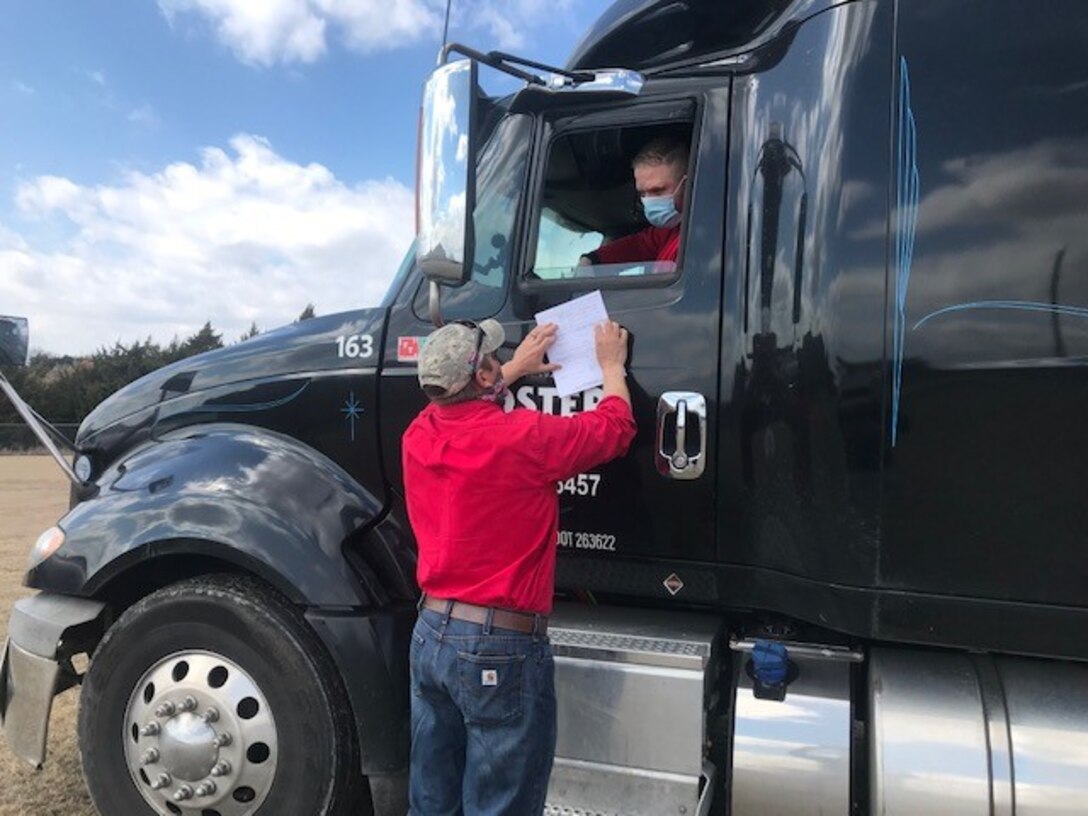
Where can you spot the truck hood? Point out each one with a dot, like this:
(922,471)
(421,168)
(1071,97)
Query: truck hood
(306,346)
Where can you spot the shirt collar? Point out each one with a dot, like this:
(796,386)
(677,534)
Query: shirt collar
(462,409)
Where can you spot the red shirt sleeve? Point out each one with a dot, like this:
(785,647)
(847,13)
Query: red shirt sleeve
(571,445)
(645,245)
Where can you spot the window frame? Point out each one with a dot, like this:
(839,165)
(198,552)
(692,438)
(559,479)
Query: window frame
(687,108)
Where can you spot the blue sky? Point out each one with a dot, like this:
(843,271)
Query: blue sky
(167,162)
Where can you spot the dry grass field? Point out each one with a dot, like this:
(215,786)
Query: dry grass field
(33,495)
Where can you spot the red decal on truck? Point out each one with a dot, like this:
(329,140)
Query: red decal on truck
(407,349)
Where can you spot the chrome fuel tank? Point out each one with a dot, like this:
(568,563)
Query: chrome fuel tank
(791,753)
(959,735)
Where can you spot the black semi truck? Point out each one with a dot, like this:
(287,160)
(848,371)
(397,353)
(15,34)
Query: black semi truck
(843,569)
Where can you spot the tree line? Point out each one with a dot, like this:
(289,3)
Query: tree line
(64,388)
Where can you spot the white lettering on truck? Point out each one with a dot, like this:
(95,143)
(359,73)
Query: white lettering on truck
(545,398)
(587,541)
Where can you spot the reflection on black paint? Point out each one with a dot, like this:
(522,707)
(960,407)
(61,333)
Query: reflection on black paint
(811,167)
(286,510)
(1055,318)
(989,466)
(777,165)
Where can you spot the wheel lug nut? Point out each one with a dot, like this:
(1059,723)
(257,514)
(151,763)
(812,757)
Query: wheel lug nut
(188,704)
(183,793)
(150,730)
(167,709)
(222,768)
(161,781)
(211,715)
(223,739)
(150,757)
(205,788)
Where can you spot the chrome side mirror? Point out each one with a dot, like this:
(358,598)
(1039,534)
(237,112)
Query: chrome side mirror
(14,340)
(446,180)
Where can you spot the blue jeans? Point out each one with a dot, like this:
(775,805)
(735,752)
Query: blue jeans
(483,719)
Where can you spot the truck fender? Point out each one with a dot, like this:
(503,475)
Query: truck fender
(246,496)
(278,510)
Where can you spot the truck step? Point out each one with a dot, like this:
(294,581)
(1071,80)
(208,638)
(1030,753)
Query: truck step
(632,688)
(561,810)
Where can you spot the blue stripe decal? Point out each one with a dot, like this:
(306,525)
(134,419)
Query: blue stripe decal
(254,406)
(1014,305)
(906,219)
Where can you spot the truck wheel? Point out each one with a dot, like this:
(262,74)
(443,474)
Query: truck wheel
(212,697)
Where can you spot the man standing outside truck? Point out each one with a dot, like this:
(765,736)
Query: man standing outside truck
(480,485)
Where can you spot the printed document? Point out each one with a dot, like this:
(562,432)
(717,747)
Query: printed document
(575,347)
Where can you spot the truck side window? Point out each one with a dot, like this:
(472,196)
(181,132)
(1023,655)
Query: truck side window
(500,184)
(612,204)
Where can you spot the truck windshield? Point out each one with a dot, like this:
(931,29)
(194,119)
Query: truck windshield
(405,268)
(500,184)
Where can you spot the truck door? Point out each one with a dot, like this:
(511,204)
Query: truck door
(552,186)
(658,502)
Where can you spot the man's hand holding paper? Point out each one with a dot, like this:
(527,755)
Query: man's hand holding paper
(575,342)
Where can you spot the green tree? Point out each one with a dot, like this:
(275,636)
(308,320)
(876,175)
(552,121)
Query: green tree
(66,389)
(204,340)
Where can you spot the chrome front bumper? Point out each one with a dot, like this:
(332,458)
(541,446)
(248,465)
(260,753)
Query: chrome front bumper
(43,634)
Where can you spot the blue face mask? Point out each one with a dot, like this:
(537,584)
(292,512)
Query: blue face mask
(661,210)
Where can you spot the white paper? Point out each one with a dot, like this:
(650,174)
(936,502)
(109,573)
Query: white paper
(575,347)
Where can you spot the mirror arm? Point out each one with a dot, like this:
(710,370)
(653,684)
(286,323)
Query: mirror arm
(491,60)
(32,419)
(434,305)
(61,439)
(574,76)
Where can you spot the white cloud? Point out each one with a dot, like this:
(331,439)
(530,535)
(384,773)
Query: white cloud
(97,77)
(374,25)
(296,31)
(144,116)
(288,31)
(244,235)
(259,33)
(48,193)
(22,88)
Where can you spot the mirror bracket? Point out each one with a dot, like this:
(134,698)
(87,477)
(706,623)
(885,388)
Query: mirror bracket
(434,304)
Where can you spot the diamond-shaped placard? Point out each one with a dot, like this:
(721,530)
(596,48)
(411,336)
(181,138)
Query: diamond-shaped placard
(673,584)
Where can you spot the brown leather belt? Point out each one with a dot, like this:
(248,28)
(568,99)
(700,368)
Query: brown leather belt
(527,622)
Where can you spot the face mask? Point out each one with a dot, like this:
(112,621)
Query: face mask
(497,392)
(661,211)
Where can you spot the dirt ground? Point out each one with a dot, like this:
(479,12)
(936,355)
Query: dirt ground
(33,495)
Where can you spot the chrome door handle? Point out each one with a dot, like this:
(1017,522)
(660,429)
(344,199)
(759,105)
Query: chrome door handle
(680,452)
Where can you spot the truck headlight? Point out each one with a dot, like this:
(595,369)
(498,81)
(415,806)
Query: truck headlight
(48,543)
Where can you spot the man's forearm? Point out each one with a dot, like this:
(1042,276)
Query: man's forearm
(615,382)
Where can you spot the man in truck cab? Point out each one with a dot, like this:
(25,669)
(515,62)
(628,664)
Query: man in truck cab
(480,486)
(660,169)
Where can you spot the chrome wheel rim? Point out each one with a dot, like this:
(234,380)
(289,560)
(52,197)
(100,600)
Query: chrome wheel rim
(200,737)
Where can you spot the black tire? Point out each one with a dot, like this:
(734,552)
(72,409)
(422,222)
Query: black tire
(316,770)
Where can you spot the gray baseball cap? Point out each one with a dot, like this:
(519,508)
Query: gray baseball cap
(452,353)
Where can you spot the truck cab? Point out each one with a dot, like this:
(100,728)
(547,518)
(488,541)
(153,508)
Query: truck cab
(839,570)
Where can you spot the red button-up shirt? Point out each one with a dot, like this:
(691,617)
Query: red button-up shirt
(646,245)
(481,491)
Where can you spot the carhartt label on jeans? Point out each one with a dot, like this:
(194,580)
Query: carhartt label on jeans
(489,677)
